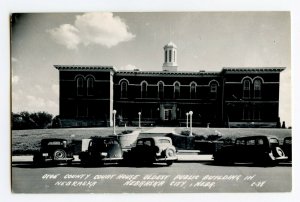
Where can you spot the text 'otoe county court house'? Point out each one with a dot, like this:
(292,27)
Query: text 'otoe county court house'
(232,97)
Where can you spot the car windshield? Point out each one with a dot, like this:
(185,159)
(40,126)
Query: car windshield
(110,142)
(274,142)
(164,141)
(287,141)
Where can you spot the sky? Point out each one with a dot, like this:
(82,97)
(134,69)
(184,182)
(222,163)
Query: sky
(205,41)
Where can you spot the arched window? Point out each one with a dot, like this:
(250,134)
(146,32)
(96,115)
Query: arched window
(257,89)
(144,89)
(246,89)
(123,89)
(193,91)
(160,89)
(90,86)
(176,90)
(79,82)
(213,88)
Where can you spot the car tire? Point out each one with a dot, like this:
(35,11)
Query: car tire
(59,154)
(38,160)
(169,163)
(69,162)
(278,152)
(170,152)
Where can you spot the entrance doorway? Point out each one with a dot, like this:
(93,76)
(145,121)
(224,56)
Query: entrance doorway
(167,114)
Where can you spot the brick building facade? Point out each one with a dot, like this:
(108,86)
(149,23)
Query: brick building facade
(232,97)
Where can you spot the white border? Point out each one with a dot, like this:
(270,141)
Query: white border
(10,6)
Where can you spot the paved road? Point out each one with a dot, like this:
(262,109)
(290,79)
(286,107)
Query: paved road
(180,177)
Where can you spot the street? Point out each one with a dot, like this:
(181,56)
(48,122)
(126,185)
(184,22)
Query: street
(181,177)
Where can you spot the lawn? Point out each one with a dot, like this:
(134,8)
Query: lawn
(28,141)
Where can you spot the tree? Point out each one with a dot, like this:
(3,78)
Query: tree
(26,120)
(41,119)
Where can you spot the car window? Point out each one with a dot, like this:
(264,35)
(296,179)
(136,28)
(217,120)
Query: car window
(260,141)
(164,141)
(110,142)
(139,143)
(274,141)
(240,142)
(147,143)
(250,142)
(287,141)
(54,143)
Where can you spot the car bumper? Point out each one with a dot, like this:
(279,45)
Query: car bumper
(112,159)
(61,159)
(281,158)
(167,159)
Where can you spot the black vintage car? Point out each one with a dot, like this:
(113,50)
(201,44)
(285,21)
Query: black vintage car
(54,150)
(152,150)
(287,147)
(256,149)
(99,150)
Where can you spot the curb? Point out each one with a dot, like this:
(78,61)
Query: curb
(181,158)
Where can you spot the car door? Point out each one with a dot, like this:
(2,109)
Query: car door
(239,150)
(250,150)
(144,149)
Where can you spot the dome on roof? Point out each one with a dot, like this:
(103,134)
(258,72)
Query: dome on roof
(170,44)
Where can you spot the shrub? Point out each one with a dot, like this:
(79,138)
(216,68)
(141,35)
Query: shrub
(187,133)
(125,132)
(213,137)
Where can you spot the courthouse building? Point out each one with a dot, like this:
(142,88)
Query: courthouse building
(232,97)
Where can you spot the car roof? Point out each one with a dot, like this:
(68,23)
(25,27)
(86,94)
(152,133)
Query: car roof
(256,136)
(155,138)
(99,138)
(53,139)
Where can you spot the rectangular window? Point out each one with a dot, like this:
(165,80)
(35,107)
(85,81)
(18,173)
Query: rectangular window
(166,56)
(170,55)
(246,89)
(250,142)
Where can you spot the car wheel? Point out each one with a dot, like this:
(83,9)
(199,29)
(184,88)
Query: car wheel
(169,163)
(69,162)
(170,152)
(278,152)
(59,154)
(38,160)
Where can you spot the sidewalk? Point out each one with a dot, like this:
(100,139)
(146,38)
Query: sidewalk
(182,157)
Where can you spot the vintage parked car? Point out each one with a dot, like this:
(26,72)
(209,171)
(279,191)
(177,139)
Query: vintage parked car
(153,149)
(287,147)
(99,150)
(54,150)
(256,149)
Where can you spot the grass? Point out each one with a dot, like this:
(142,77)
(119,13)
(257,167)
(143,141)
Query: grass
(25,142)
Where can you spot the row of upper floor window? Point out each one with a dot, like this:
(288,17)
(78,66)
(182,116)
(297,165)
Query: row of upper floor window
(252,88)
(161,89)
(85,86)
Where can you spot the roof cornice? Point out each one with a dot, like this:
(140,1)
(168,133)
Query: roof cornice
(85,68)
(165,73)
(252,69)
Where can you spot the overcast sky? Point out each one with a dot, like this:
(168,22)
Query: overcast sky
(205,40)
